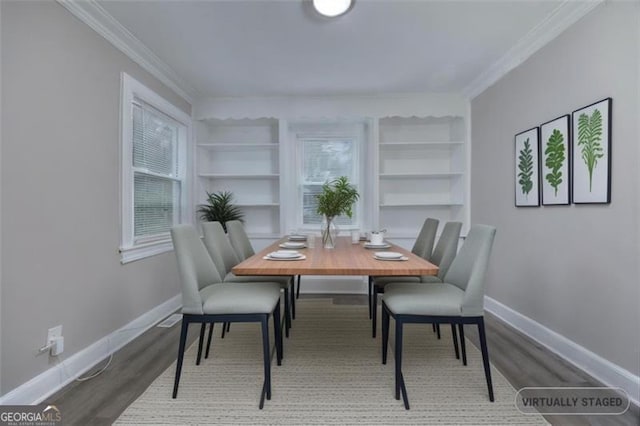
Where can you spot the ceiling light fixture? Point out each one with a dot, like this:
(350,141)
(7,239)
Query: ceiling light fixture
(332,8)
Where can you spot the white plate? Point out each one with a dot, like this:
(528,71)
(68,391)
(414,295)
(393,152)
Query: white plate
(391,259)
(368,245)
(297,238)
(291,244)
(387,255)
(299,257)
(284,254)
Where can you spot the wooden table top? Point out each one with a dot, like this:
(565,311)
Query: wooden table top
(345,259)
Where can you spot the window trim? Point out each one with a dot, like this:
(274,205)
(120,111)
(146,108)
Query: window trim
(129,249)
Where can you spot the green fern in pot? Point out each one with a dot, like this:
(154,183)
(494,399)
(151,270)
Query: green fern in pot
(220,208)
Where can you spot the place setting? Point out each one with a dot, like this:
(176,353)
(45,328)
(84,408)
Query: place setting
(389,255)
(285,255)
(293,245)
(376,240)
(370,245)
(297,237)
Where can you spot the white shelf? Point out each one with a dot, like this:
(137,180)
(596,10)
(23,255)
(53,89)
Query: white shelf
(420,175)
(257,204)
(425,144)
(243,156)
(239,176)
(402,205)
(260,235)
(421,172)
(237,146)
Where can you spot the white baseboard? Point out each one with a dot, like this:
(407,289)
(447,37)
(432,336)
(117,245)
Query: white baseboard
(333,284)
(47,383)
(607,372)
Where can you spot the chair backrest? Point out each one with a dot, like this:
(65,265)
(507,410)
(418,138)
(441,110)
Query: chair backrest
(196,268)
(468,269)
(239,239)
(219,247)
(427,236)
(446,248)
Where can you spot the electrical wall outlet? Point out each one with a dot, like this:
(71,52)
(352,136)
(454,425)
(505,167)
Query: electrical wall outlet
(55,341)
(54,333)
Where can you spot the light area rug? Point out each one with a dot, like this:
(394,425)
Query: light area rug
(331,374)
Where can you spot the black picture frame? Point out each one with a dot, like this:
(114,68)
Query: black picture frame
(591,130)
(527,168)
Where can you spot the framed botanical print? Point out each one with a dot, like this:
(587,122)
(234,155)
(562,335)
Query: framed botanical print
(592,153)
(554,165)
(527,155)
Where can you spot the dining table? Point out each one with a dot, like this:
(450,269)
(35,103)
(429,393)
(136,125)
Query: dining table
(346,258)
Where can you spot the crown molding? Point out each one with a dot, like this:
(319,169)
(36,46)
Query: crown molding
(562,17)
(92,14)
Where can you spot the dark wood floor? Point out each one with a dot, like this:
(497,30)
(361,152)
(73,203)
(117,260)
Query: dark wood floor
(521,360)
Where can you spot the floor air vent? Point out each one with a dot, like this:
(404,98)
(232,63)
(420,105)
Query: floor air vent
(170,321)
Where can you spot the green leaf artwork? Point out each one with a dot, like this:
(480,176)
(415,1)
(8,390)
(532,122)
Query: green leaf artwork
(589,138)
(526,168)
(554,158)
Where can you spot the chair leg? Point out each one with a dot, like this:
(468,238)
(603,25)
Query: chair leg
(385,333)
(400,387)
(298,290)
(206,352)
(463,344)
(293,299)
(266,388)
(485,357)
(434,327)
(287,313)
(438,331)
(224,330)
(203,327)
(370,295)
(454,334)
(277,332)
(374,311)
(183,341)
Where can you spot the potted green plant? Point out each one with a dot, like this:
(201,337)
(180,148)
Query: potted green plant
(220,208)
(337,198)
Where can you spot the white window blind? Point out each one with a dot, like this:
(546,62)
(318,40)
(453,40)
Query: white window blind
(324,159)
(156,186)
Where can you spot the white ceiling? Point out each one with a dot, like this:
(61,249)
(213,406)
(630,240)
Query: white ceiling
(282,48)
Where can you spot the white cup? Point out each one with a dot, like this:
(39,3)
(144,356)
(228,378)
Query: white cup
(311,240)
(355,237)
(377,238)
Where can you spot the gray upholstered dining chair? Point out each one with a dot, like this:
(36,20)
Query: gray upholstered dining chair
(458,300)
(206,299)
(224,257)
(421,247)
(442,256)
(243,248)
(239,239)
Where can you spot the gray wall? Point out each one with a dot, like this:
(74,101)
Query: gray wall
(571,268)
(60,190)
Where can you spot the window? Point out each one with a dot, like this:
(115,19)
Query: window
(154,161)
(321,152)
(323,160)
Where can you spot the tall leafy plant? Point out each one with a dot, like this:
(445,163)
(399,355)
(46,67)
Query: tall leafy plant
(589,138)
(337,198)
(525,166)
(220,208)
(554,158)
